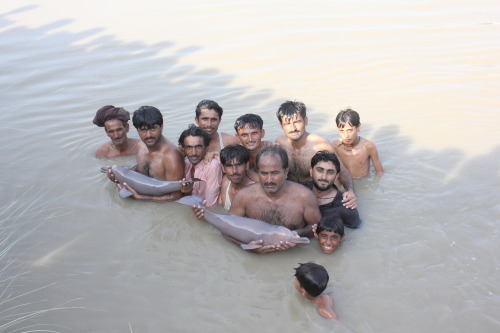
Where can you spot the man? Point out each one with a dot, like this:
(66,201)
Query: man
(275,200)
(234,160)
(115,123)
(208,117)
(194,142)
(249,131)
(324,171)
(157,157)
(301,146)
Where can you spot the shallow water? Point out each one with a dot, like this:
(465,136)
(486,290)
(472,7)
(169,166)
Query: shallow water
(424,76)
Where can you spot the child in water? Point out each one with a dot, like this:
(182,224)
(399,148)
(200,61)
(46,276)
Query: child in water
(354,151)
(311,280)
(329,232)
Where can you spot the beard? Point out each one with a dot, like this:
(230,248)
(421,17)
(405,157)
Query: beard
(321,187)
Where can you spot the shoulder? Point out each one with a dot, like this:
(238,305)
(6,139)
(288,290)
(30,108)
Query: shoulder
(102,150)
(319,142)
(369,145)
(228,139)
(282,141)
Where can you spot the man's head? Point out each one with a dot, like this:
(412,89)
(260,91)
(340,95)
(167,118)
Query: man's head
(148,121)
(325,168)
(272,167)
(208,116)
(234,160)
(293,119)
(311,278)
(249,130)
(115,123)
(194,142)
(349,125)
(330,233)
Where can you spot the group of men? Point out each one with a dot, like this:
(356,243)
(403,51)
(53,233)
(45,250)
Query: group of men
(247,175)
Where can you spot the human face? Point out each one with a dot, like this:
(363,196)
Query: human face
(235,171)
(323,175)
(150,136)
(272,176)
(116,131)
(349,134)
(209,120)
(194,148)
(329,241)
(250,138)
(294,127)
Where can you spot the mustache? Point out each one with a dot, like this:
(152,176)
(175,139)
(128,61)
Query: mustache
(150,138)
(270,184)
(296,131)
(235,175)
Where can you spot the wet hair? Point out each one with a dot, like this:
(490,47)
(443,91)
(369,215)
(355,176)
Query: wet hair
(289,109)
(147,116)
(208,104)
(273,151)
(234,153)
(325,156)
(332,223)
(250,119)
(194,130)
(312,277)
(347,116)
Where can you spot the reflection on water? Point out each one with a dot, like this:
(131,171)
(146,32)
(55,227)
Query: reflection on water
(426,258)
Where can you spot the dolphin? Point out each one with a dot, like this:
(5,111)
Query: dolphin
(144,184)
(245,229)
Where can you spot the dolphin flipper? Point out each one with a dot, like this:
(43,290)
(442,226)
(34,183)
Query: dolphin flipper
(124,193)
(250,246)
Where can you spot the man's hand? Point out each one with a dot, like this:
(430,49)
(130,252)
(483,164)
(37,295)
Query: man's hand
(186,188)
(349,199)
(282,246)
(209,155)
(200,210)
(135,195)
(110,175)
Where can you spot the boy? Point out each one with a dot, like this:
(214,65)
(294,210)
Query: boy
(354,151)
(311,280)
(329,232)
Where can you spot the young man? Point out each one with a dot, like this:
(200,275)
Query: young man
(301,146)
(275,200)
(249,130)
(310,280)
(325,169)
(115,123)
(329,232)
(194,142)
(354,151)
(234,160)
(157,157)
(208,115)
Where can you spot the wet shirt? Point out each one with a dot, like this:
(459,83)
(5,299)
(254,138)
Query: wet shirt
(211,174)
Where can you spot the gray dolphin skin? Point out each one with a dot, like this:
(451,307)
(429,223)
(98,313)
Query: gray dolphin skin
(245,229)
(144,184)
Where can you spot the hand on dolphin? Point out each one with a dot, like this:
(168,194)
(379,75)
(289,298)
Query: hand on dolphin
(256,246)
(186,186)
(199,210)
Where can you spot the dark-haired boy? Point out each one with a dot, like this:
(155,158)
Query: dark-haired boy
(325,168)
(310,280)
(355,151)
(329,232)
(234,160)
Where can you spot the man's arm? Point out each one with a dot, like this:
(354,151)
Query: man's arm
(373,153)
(312,214)
(157,198)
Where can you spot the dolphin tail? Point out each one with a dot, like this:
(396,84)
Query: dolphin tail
(190,200)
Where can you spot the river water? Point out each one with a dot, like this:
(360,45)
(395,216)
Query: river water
(424,76)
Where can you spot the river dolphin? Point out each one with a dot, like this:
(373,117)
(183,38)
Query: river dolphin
(245,229)
(144,184)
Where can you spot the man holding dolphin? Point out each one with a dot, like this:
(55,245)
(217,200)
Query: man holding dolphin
(275,200)
(157,157)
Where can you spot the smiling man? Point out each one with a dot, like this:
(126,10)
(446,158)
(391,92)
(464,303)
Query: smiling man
(115,123)
(194,142)
(208,115)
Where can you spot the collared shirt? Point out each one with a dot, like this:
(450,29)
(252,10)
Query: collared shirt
(211,174)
